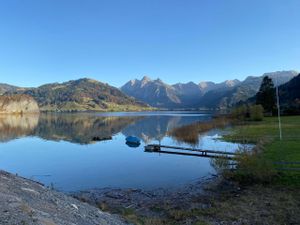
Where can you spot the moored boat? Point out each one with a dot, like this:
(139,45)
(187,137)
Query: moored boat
(133,139)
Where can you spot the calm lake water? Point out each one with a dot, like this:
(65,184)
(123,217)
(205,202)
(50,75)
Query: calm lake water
(60,150)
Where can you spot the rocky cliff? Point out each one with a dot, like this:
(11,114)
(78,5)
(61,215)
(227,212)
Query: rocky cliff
(18,104)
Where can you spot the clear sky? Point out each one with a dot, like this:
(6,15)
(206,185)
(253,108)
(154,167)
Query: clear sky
(113,41)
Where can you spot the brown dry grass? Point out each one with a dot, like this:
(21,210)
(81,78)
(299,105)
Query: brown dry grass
(190,133)
(257,204)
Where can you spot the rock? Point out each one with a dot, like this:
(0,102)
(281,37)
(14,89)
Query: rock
(18,104)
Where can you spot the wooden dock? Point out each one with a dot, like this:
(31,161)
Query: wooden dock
(190,151)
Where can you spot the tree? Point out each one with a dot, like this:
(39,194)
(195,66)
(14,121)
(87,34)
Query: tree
(266,95)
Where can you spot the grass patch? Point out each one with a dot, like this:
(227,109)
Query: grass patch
(273,149)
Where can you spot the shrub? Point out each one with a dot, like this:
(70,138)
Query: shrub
(256,113)
(253,167)
(240,112)
(248,112)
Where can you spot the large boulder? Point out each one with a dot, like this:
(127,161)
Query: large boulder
(18,104)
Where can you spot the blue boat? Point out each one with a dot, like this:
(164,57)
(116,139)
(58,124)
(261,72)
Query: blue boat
(133,140)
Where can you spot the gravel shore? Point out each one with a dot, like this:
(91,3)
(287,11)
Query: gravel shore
(23,201)
(211,202)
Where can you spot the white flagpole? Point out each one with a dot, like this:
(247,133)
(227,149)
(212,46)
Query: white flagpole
(278,110)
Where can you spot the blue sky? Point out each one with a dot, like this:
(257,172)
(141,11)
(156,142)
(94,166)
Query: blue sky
(113,41)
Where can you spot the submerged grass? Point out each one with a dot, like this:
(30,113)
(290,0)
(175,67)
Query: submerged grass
(190,133)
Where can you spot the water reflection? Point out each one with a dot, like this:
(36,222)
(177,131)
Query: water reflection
(16,126)
(85,151)
(90,128)
(155,128)
(80,128)
(190,133)
(132,145)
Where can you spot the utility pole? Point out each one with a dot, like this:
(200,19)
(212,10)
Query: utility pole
(278,110)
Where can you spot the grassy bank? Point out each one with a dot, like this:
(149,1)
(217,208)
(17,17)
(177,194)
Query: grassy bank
(266,134)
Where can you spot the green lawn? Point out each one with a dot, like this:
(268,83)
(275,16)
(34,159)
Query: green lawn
(275,150)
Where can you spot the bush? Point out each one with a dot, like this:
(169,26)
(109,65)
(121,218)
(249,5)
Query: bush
(240,112)
(253,167)
(248,112)
(256,113)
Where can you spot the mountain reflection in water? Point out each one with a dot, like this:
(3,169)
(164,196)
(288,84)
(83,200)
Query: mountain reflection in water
(80,151)
(16,126)
(84,128)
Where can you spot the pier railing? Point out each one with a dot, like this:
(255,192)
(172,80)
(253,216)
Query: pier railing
(189,151)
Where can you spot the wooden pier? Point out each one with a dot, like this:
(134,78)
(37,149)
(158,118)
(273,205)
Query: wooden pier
(190,151)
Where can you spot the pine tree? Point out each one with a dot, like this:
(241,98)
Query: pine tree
(266,95)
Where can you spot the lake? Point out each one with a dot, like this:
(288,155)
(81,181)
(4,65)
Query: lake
(73,151)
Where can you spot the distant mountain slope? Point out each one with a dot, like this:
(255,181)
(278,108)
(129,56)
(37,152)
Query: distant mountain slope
(7,88)
(81,95)
(289,95)
(207,86)
(224,98)
(87,94)
(154,92)
(181,95)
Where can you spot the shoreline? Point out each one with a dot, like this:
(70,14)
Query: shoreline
(216,201)
(23,201)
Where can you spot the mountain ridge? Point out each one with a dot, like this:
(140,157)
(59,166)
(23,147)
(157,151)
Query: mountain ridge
(81,95)
(7,88)
(157,93)
(205,95)
(87,94)
(289,94)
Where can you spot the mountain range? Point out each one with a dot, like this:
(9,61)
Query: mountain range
(205,95)
(79,95)
(91,95)
(181,95)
